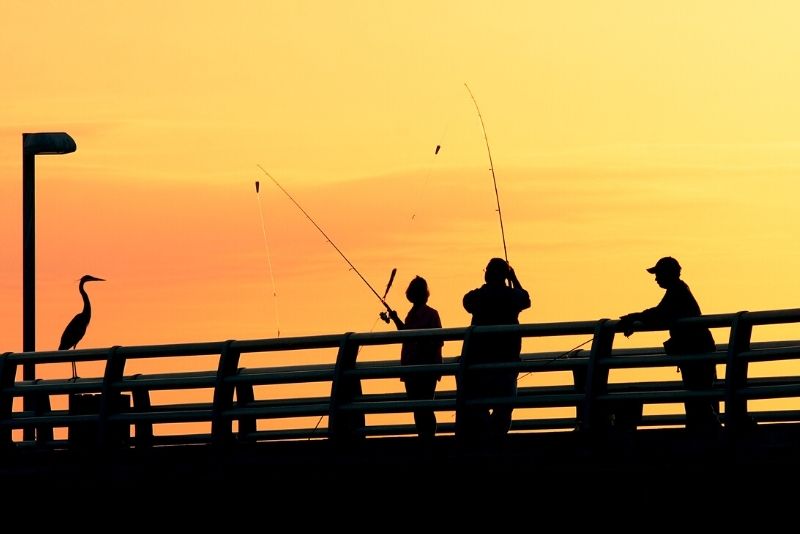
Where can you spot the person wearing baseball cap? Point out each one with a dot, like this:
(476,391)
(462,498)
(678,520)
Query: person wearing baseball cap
(678,303)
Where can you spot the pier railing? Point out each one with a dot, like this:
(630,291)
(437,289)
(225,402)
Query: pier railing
(346,386)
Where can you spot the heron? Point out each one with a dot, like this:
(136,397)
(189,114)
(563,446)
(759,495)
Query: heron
(76,328)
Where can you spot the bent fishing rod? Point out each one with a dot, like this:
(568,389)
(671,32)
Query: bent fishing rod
(491,168)
(353,267)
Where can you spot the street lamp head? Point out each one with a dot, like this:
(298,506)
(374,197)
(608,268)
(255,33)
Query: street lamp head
(48,143)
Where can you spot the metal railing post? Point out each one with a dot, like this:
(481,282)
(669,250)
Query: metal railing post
(591,416)
(41,405)
(244,396)
(111,435)
(8,373)
(221,427)
(343,426)
(461,385)
(736,372)
(144,429)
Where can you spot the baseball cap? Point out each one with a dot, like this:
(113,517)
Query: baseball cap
(665,264)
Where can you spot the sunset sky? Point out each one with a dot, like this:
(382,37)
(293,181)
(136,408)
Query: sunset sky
(621,131)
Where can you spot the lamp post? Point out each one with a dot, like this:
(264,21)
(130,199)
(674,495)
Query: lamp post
(33,144)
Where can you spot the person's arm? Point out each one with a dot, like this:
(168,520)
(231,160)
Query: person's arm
(627,323)
(470,301)
(524,299)
(660,314)
(635,316)
(512,278)
(650,317)
(396,320)
(436,323)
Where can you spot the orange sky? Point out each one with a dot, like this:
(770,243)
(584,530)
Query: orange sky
(621,132)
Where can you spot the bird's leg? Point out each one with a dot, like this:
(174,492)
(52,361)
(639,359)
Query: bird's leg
(74,365)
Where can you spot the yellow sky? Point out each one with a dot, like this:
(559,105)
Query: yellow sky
(621,131)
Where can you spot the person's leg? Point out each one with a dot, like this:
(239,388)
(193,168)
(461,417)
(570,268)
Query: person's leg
(472,421)
(504,385)
(423,388)
(700,413)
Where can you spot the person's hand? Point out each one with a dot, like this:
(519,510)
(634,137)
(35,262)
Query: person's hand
(388,316)
(626,324)
(512,276)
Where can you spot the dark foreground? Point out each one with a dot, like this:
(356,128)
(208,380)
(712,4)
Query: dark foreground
(523,463)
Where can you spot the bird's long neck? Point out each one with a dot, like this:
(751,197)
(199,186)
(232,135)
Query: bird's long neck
(87,307)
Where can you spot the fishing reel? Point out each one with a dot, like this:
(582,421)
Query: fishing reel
(385,317)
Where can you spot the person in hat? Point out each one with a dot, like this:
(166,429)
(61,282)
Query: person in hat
(677,303)
(497,302)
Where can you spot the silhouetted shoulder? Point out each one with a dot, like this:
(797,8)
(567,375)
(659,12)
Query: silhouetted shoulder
(423,317)
(471,299)
(522,298)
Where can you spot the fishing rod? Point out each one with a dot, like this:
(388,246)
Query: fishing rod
(382,315)
(269,260)
(385,315)
(491,168)
(353,267)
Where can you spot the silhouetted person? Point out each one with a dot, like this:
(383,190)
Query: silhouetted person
(494,303)
(76,328)
(420,352)
(677,303)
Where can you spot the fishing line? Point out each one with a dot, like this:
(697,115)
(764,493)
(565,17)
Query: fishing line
(374,324)
(425,180)
(353,267)
(316,427)
(269,260)
(491,168)
(576,348)
(548,362)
